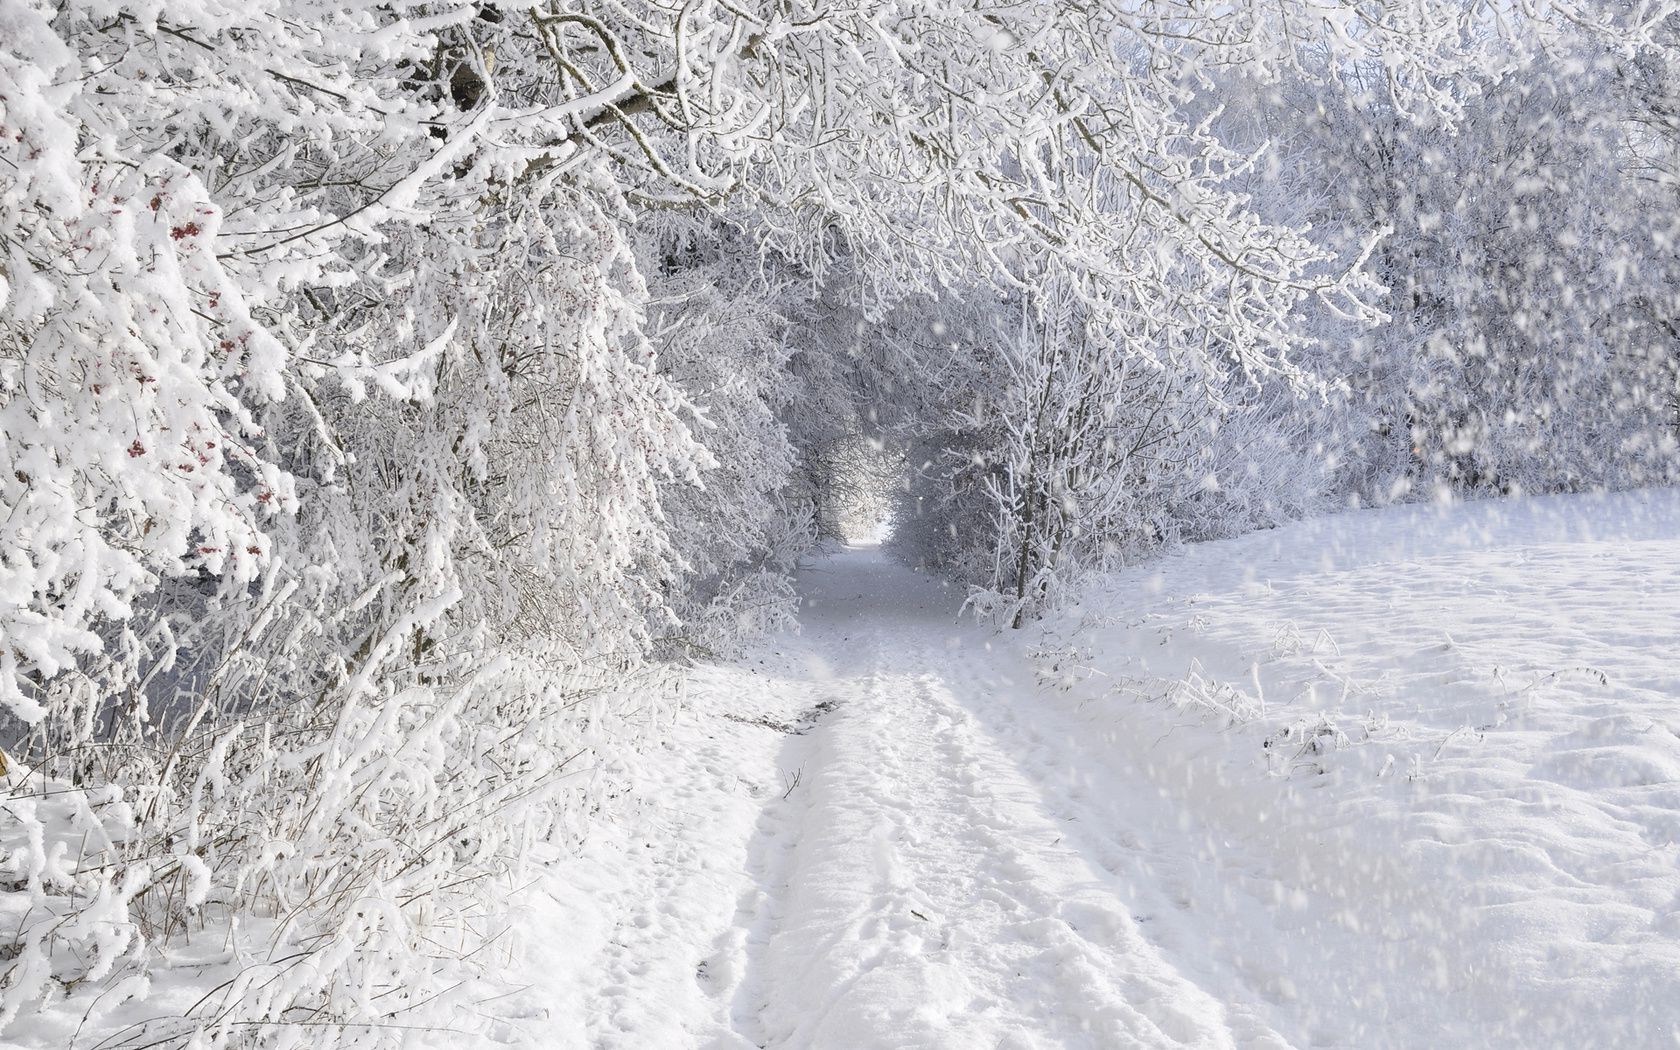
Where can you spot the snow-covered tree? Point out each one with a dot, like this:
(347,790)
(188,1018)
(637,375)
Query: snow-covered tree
(1529,270)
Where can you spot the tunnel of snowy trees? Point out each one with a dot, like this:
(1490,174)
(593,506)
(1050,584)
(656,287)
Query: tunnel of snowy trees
(394,396)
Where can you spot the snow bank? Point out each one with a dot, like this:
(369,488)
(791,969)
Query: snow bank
(1444,741)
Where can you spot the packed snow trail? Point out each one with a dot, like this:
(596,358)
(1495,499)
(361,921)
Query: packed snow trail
(886,832)
(920,890)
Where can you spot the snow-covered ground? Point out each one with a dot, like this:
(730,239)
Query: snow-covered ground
(1405,778)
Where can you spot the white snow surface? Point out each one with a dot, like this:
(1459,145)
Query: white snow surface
(1402,778)
(1405,778)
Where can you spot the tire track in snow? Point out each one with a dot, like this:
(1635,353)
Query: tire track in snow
(738,953)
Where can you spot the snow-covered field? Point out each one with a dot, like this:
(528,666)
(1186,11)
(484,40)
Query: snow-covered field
(1446,810)
(1407,778)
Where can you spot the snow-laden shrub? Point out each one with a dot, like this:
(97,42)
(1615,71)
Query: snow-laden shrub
(335,542)
(352,755)
(1070,454)
(722,339)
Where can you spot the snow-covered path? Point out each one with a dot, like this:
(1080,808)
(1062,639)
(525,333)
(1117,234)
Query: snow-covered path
(885,832)
(924,887)
(872,845)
